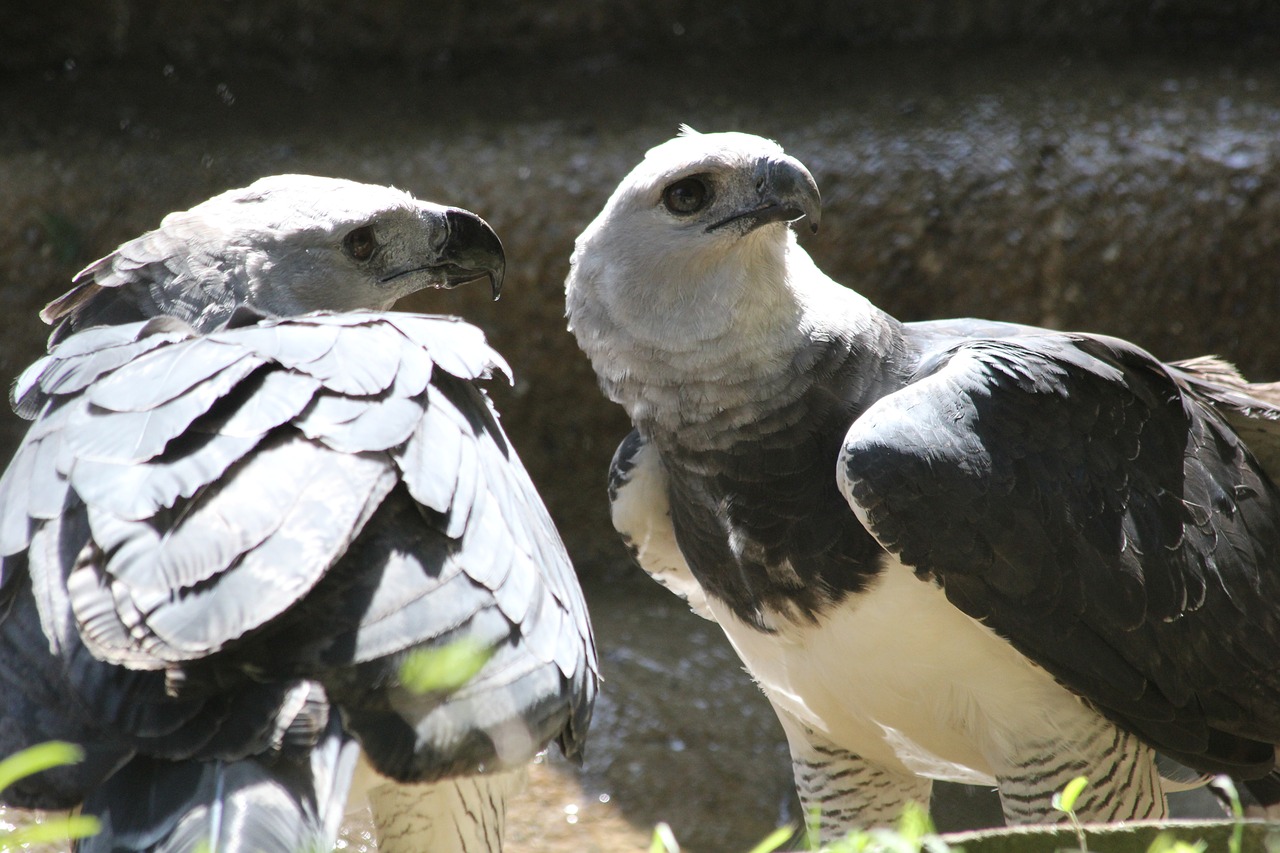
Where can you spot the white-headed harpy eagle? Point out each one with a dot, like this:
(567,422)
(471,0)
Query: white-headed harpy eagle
(246,499)
(959,549)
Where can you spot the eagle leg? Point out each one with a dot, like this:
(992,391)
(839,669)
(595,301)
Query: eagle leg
(1124,781)
(841,791)
(456,815)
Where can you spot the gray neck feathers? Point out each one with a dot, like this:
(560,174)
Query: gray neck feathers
(700,361)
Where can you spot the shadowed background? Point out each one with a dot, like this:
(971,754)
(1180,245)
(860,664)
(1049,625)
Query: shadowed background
(1108,165)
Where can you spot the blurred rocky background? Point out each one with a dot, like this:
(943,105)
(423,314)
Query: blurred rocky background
(1108,165)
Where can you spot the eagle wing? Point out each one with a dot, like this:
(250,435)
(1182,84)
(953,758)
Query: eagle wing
(1077,496)
(641,513)
(215,545)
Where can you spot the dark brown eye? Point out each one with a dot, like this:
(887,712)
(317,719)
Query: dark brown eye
(685,196)
(360,243)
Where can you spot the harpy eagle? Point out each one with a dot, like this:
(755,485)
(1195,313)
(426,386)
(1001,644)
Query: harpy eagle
(246,500)
(959,549)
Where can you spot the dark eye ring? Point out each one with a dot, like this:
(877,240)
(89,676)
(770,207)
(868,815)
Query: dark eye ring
(360,243)
(687,195)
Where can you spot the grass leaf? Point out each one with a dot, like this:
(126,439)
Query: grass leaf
(34,759)
(1166,843)
(774,840)
(664,840)
(445,668)
(51,830)
(1065,800)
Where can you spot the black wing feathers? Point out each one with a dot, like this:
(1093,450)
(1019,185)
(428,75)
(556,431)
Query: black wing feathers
(1076,496)
(291,801)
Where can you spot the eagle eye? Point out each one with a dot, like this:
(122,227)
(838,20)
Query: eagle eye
(360,243)
(687,195)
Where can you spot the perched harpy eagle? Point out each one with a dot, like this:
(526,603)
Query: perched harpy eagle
(958,549)
(232,521)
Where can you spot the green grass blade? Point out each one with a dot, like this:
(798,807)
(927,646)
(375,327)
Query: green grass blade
(444,669)
(34,759)
(50,831)
(774,840)
(1065,800)
(914,823)
(664,840)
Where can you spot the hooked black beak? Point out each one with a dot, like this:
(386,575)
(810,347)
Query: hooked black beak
(784,192)
(469,249)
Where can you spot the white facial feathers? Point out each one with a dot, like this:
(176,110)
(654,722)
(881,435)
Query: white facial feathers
(283,246)
(687,276)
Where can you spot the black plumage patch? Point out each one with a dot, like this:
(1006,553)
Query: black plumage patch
(761,523)
(1068,491)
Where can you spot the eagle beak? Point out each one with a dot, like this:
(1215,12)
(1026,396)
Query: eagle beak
(462,248)
(784,192)
(471,250)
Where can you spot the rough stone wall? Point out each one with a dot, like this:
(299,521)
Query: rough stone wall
(438,33)
(1102,165)
(1124,187)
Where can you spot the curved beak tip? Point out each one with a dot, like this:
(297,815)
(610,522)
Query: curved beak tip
(474,250)
(794,189)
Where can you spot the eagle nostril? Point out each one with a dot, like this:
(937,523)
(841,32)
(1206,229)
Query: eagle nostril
(762,172)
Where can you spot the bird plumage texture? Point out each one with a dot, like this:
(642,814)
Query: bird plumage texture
(956,549)
(243,504)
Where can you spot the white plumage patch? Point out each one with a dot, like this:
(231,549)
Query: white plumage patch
(901,677)
(642,514)
(896,683)
(895,674)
